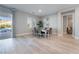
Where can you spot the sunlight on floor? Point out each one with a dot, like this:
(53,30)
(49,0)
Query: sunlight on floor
(31,44)
(6,45)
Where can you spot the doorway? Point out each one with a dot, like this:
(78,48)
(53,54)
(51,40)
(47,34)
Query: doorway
(68,24)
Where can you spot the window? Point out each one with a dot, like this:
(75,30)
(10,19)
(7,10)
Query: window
(5,26)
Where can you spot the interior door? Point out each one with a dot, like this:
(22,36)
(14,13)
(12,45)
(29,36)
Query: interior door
(64,24)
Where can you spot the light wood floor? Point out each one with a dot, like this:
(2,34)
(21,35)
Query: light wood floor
(34,45)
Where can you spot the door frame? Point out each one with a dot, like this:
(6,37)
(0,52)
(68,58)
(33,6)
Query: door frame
(73,27)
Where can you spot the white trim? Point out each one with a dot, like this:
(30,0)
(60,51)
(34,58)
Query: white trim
(67,9)
(22,34)
(60,34)
(9,38)
(76,37)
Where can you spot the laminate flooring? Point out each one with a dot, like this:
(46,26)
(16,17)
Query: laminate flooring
(35,45)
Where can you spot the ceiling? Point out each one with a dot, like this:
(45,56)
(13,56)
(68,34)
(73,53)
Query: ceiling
(40,9)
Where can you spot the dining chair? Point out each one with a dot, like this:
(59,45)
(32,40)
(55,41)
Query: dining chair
(35,31)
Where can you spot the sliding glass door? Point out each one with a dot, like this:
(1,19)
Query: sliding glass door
(5,26)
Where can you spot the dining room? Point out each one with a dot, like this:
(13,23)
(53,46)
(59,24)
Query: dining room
(41,30)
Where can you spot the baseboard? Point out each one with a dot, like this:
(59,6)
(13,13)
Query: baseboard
(22,34)
(76,37)
(60,34)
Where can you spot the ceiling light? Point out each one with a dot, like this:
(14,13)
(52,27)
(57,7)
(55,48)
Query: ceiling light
(39,10)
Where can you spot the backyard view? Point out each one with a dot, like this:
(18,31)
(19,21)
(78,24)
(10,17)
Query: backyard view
(5,27)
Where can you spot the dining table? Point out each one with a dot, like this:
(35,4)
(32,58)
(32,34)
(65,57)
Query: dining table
(45,32)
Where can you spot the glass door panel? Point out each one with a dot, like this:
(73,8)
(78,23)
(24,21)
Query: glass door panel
(5,26)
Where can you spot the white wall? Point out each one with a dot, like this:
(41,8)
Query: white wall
(60,30)
(21,22)
(52,22)
(77,22)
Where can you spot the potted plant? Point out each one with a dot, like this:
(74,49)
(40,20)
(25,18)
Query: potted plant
(40,25)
